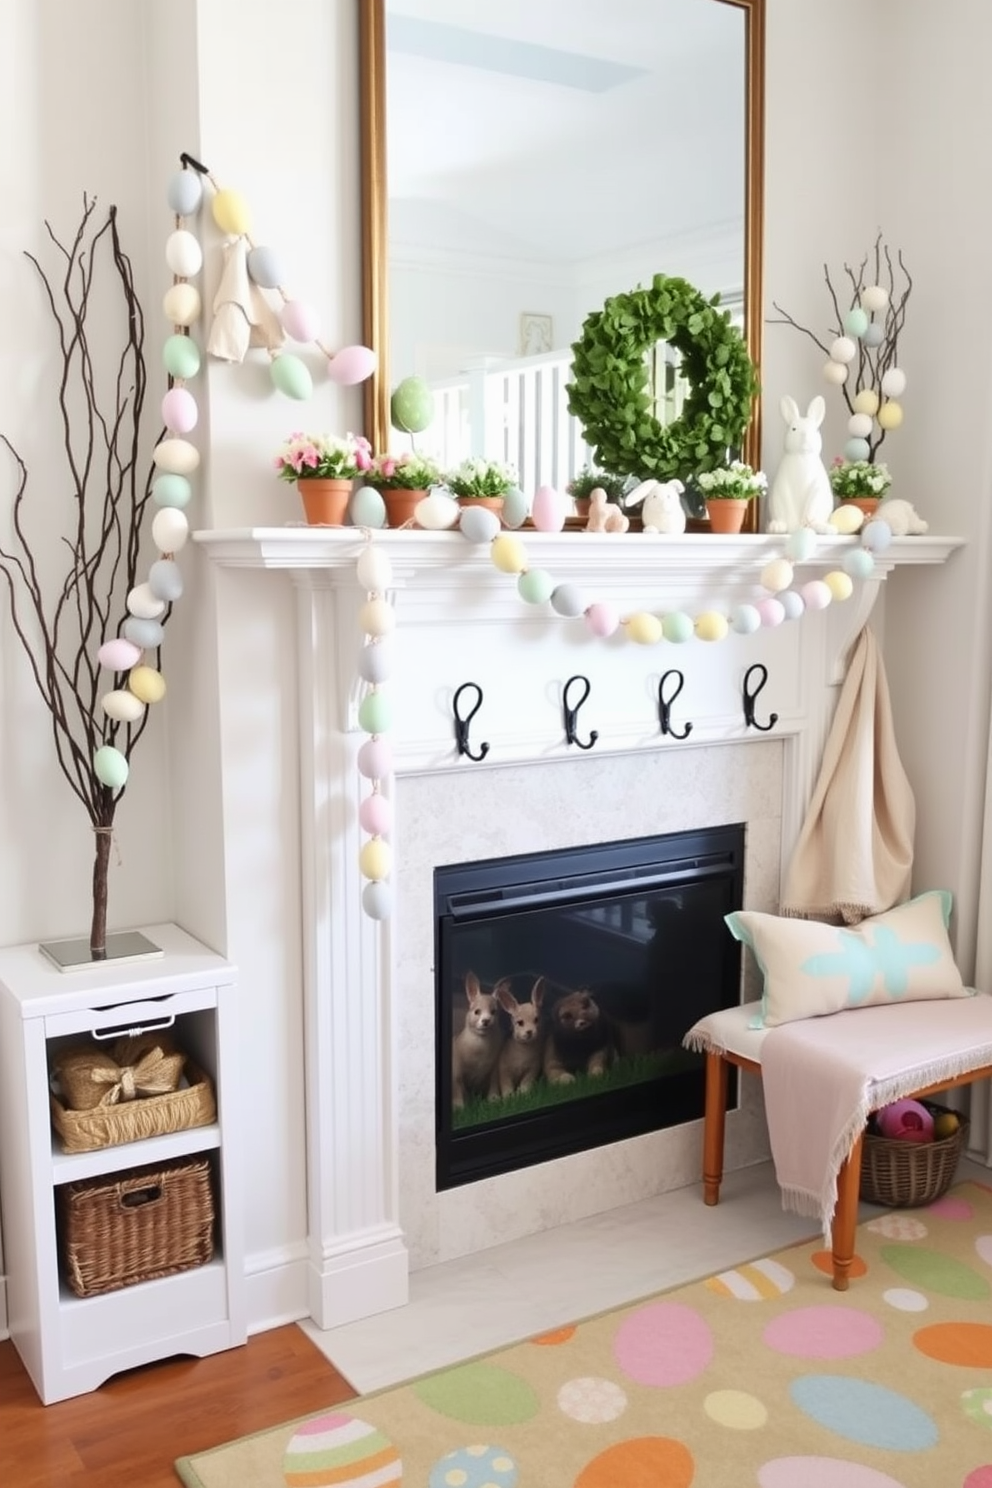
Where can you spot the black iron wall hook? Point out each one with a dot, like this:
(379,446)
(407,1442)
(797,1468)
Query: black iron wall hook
(462,724)
(571,712)
(665,705)
(750,697)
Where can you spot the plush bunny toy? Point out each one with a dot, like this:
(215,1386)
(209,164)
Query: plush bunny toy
(800,495)
(663,509)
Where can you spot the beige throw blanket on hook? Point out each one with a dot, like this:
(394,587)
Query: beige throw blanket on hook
(854,856)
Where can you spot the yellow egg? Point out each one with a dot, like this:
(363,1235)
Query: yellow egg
(181,304)
(777,575)
(122,706)
(841,585)
(711,626)
(376,617)
(176,456)
(866,402)
(146,683)
(945,1124)
(643,628)
(846,519)
(890,415)
(375,859)
(231,213)
(508,554)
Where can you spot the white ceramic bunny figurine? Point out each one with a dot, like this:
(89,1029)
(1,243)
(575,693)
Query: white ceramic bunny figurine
(800,494)
(663,509)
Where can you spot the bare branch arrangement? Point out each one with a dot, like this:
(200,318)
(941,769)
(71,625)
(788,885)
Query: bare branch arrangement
(862,352)
(62,626)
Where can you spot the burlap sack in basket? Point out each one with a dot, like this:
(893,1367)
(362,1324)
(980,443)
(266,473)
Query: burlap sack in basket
(144,1065)
(191,1105)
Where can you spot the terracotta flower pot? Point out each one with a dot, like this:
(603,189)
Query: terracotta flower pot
(726,514)
(325,502)
(491,503)
(866,504)
(401,503)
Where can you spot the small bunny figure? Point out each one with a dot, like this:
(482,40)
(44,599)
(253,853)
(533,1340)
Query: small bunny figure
(663,510)
(800,494)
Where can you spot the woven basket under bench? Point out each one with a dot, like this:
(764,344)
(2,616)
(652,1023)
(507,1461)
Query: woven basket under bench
(136,1226)
(907,1175)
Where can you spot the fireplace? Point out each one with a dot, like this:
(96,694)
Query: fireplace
(564,983)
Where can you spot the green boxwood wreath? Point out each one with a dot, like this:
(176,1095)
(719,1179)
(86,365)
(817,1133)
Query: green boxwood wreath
(609,392)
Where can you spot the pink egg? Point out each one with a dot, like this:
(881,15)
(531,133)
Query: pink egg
(299,320)
(772,612)
(663,1344)
(352,364)
(547,510)
(816,595)
(179,411)
(375,816)
(602,619)
(119,655)
(375,759)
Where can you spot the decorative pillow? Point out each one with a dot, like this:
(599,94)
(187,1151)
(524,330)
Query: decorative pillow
(810,968)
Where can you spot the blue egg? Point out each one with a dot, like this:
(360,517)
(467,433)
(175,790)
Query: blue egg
(377,900)
(148,634)
(858,563)
(568,600)
(477,524)
(792,603)
(874,335)
(291,376)
(367,508)
(801,544)
(184,193)
(165,580)
(876,535)
(264,267)
(516,508)
(869,1414)
(171,490)
(745,619)
(857,449)
(375,662)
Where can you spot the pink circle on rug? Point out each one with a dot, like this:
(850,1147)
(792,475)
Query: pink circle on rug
(951,1208)
(980,1478)
(822,1472)
(824,1333)
(664,1344)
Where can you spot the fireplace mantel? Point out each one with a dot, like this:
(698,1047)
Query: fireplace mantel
(459,619)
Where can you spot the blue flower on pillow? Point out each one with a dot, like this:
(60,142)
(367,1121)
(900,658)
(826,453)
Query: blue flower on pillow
(862,961)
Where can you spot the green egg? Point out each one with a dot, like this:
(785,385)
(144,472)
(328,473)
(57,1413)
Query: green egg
(516,508)
(375,713)
(536,586)
(181,356)
(171,490)
(678,627)
(412,406)
(110,767)
(291,376)
(367,508)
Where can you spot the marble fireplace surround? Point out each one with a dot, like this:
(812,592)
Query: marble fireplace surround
(373,1213)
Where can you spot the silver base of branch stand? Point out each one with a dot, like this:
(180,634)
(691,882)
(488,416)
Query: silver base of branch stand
(125,945)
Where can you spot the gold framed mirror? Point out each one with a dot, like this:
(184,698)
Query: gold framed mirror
(431,33)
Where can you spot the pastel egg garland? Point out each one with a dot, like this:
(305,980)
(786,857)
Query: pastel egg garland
(375,761)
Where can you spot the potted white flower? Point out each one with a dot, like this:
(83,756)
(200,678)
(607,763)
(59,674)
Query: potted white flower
(481,481)
(863,483)
(727,492)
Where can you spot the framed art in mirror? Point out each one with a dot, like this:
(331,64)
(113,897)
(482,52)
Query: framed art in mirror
(553,153)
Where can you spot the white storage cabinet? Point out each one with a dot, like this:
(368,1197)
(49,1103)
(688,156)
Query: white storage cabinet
(71,1344)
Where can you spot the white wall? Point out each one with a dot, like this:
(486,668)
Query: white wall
(265,94)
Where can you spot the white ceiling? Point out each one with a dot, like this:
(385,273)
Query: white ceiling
(520,152)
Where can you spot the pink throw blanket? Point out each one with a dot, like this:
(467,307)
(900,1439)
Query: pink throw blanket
(822,1077)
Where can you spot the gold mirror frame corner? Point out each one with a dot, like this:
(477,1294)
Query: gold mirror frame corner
(375,222)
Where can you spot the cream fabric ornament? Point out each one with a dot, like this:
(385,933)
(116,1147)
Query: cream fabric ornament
(243,316)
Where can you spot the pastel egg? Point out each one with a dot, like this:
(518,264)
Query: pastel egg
(823,1332)
(535,586)
(776,575)
(373,569)
(181,304)
(977,1406)
(342,1450)
(148,634)
(866,402)
(121,706)
(352,364)
(147,684)
(932,1271)
(855,321)
(118,655)
(843,349)
(143,603)
(816,595)
(663,1344)
(874,297)
(876,535)
(516,508)
(411,407)
(170,530)
(480,1466)
(772,612)
(863,1412)
(792,604)
(375,813)
(179,410)
(568,600)
(375,761)
(835,372)
(846,519)
(508,554)
(894,382)
(291,376)
(181,356)
(744,619)
(479,1393)
(367,508)
(840,584)
(176,456)
(712,626)
(184,193)
(859,424)
(890,415)
(737,1410)
(822,1472)
(230,212)
(859,563)
(678,627)
(548,510)
(801,544)
(477,524)
(437,512)
(643,628)
(264,267)
(592,1400)
(376,617)
(110,767)
(857,449)
(601,619)
(375,661)
(183,253)
(171,489)
(165,580)
(754,1282)
(377,902)
(375,713)
(375,859)
(299,320)
(874,335)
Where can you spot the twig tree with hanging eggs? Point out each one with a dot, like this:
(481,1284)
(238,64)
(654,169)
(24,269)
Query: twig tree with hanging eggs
(100,615)
(862,354)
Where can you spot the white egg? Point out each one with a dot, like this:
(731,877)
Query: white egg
(843,350)
(374,570)
(875,297)
(143,603)
(176,456)
(170,529)
(183,253)
(859,425)
(437,512)
(894,382)
(122,706)
(835,372)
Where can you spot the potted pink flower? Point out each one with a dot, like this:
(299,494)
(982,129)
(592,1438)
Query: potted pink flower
(403,481)
(323,467)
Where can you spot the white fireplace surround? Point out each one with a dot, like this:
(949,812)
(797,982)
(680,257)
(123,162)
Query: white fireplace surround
(369,996)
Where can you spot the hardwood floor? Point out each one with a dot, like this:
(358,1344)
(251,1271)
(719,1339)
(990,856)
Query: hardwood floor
(128,1433)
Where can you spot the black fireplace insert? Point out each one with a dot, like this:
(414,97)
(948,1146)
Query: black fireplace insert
(565,982)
